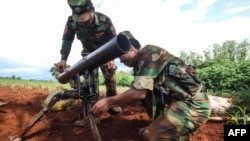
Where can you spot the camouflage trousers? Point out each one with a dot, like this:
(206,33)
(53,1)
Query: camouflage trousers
(179,120)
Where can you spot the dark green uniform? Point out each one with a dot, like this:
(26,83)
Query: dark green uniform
(180,107)
(100,32)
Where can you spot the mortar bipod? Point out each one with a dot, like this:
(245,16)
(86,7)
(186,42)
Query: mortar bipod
(47,105)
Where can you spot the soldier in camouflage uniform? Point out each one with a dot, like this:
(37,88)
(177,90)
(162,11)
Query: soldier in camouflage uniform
(93,29)
(170,94)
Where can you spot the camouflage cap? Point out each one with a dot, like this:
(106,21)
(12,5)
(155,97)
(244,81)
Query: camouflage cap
(81,9)
(127,34)
(78,2)
(132,39)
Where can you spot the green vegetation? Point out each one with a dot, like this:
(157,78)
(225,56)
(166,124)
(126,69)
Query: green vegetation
(12,82)
(223,69)
(238,117)
(228,75)
(123,82)
(123,79)
(242,97)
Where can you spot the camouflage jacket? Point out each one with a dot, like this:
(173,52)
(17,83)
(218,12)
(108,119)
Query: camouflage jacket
(156,66)
(91,38)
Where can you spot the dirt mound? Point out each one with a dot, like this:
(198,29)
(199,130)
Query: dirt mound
(22,104)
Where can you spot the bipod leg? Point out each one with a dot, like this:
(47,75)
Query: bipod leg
(93,125)
(47,104)
(31,123)
(34,120)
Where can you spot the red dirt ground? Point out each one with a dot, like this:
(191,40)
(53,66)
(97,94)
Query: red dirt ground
(23,104)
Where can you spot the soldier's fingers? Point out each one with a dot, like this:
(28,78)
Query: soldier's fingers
(94,110)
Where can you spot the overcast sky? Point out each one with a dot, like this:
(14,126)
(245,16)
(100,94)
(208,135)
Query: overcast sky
(31,30)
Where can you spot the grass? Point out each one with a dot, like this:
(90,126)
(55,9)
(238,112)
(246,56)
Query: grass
(50,85)
(239,117)
(32,83)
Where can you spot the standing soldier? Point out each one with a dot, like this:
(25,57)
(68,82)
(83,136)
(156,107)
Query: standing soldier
(93,29)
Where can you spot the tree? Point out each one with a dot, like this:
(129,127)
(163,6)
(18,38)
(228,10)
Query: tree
(224,66)
(230,51)
(242,51)
(191,58)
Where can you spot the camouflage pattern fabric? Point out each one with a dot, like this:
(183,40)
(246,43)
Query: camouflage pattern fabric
(81,9)
(128,34)
(91,38)
(131,39)
(78,2)
(179,120)
(181,116)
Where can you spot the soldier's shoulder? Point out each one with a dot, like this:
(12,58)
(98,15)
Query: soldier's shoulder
(102,17)
(71,23)
(150,47)
(154,48)
(70,18)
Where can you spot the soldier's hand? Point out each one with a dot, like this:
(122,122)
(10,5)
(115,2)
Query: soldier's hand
(100,106)
(112,65)
(61,66)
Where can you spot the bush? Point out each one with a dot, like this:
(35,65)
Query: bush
(229,75)
(123,79)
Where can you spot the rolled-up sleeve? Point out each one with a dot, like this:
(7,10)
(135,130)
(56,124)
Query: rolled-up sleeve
(143,82)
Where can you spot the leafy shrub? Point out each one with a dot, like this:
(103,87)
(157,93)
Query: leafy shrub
(123,79)
(242,97)
(229,75)
(239,116)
